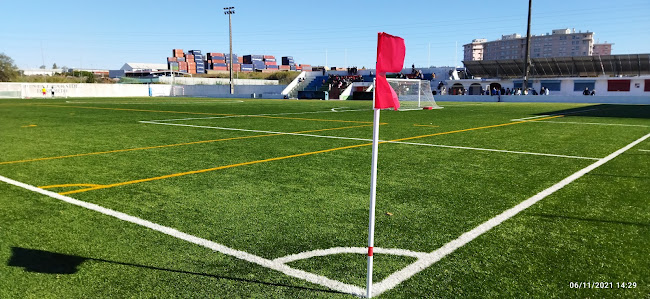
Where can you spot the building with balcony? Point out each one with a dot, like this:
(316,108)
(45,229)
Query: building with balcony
(559,43)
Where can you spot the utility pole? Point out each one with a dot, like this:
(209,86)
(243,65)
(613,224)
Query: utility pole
(527,58)
(230,11)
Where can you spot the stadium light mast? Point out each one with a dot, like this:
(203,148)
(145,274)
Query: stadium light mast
(230,11)
(527,58)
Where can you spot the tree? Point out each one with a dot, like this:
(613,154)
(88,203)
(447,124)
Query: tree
(42,67)
(8,70)
(54,66)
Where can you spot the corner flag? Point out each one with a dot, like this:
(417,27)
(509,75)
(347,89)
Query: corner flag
(390,58)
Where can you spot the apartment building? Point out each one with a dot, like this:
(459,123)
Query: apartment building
(560,43)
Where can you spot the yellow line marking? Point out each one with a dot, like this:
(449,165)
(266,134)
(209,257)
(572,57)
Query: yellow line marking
(136,110)
(205,113)
(473,129)
(68,185)
(170,145)
(28,126)
(416,125)
(210,169)
(284,157)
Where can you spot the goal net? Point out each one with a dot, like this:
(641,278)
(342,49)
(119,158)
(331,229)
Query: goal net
(413,94)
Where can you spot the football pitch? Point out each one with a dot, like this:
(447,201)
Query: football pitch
(232,198)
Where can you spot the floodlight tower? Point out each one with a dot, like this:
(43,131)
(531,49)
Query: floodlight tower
(527,58)
(230,11)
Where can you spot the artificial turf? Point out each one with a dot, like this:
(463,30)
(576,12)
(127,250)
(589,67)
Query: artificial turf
(305,193)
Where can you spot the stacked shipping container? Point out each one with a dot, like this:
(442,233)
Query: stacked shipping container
(194,62)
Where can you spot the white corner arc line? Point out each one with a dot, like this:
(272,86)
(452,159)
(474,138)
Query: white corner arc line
(278,266)
(370,140)
(433,257)
(340,250)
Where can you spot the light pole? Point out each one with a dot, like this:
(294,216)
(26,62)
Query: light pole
(230,11)
(527,58)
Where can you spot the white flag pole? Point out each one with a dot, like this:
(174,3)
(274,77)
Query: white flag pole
(373,193)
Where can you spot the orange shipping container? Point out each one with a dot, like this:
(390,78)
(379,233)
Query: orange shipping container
(270,63)
(284,67)
(219,68)
(218,61)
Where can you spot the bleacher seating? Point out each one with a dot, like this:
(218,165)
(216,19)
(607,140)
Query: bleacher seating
(316,84)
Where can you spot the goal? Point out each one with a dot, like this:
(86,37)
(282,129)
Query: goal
(413,94)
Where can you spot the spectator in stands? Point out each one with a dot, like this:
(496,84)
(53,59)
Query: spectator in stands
(586,91)
(542,91)
(547,91)
(508,91)
(593,92)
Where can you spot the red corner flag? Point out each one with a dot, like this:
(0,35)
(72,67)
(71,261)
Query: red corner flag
(390,58)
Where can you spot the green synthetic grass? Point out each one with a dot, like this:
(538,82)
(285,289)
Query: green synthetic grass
(596,229)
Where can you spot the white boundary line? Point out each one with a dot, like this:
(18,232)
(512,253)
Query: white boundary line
(268,114)
(424,260)
(644,150)
(584,123)
(158,103)
(370,140)
(532,117)
(431,258)
(495,150)
(545,115)
(271,264)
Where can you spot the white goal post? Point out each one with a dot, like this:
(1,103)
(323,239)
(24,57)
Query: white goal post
(413,94)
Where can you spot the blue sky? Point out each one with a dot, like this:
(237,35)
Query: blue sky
(106,34)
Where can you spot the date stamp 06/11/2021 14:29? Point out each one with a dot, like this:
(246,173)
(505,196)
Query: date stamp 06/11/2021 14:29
(602,285)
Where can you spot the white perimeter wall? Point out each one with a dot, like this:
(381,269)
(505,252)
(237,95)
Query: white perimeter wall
(627,99)
(566,85)
(216,81)
(34,90)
